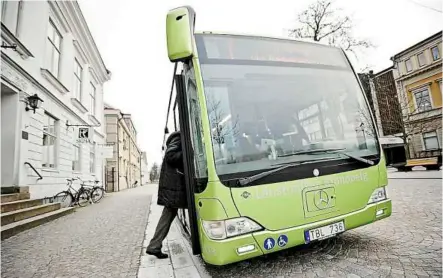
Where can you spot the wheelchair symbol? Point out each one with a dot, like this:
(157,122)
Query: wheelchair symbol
(282,240)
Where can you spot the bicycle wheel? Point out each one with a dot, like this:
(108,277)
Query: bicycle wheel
(64,198)
(83,198)
(97,194)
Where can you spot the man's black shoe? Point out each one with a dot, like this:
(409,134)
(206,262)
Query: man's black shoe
(158,254)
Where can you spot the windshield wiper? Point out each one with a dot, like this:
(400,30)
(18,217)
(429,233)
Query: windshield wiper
(313,151)
(332,150)
(248,180)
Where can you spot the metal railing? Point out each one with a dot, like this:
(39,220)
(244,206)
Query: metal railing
(32,167)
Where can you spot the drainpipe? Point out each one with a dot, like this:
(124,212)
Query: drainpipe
(118,155)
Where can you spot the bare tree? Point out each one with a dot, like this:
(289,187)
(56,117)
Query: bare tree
(322,22)
(154,174)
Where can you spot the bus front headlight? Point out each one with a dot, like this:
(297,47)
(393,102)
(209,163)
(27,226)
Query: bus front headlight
(229,228)
(378,195)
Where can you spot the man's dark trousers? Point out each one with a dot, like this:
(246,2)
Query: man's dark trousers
(162,230)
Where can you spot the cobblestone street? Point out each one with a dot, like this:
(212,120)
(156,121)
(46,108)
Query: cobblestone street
(100,240)
(105,240)
(408,244)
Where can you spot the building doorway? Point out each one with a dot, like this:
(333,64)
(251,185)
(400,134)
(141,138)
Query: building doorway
(10,138)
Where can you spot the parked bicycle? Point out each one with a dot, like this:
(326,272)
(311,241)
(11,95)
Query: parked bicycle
(96,192)
(72,197)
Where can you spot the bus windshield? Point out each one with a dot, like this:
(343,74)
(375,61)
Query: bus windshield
(272,101)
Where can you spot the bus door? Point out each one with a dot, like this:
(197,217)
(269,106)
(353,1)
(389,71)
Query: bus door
(183,121)
(182,213)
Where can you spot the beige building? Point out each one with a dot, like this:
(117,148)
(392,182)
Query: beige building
(123,170)
(418,77)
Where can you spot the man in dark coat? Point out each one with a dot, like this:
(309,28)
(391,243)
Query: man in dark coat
(171,193)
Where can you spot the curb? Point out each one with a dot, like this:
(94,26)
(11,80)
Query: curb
(180,263)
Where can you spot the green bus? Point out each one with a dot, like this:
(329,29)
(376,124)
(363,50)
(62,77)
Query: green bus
(279,144)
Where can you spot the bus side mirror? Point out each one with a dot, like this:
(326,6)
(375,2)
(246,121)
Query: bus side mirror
(180,33)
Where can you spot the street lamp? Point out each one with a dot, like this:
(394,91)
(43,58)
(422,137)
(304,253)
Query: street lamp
(34,102)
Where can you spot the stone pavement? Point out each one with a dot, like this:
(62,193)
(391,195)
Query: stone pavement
(100,240)
(408,244)
(109,239)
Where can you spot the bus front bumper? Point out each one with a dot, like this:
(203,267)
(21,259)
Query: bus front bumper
(223,252)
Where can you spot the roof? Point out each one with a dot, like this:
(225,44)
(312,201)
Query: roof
(307,41)
(384,71)
(71,15)
(420,43)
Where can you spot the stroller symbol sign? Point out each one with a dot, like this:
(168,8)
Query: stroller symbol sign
(282,240)
(269,243)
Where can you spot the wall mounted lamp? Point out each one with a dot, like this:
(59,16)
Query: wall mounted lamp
(33,102)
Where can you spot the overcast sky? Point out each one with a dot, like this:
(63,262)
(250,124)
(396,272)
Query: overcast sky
(130,35)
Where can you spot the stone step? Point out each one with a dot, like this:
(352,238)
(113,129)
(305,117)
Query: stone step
(21,214)
(5,198)
(26,224)
(21,204)
(14,189)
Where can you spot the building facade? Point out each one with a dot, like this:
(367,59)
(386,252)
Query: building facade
(48,51)
(418,77)
(123,170)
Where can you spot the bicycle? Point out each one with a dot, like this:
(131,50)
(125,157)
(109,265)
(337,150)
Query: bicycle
(97,192)
(81,197)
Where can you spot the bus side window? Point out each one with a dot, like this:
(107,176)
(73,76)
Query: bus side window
(196,126)
(176,120)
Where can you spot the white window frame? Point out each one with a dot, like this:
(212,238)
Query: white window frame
(432,53)
(79,158)
(4,7)
(92,95)
(6,17)
(92,160)
(419,90)
(424,141)
(54,135)
(406,65)
(19,17)
(424,59)
(78,78)
(49,43)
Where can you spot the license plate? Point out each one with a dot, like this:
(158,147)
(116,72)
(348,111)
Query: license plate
(324,232)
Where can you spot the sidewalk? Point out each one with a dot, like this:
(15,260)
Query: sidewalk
(180,264)
(100,240)
(416,173)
